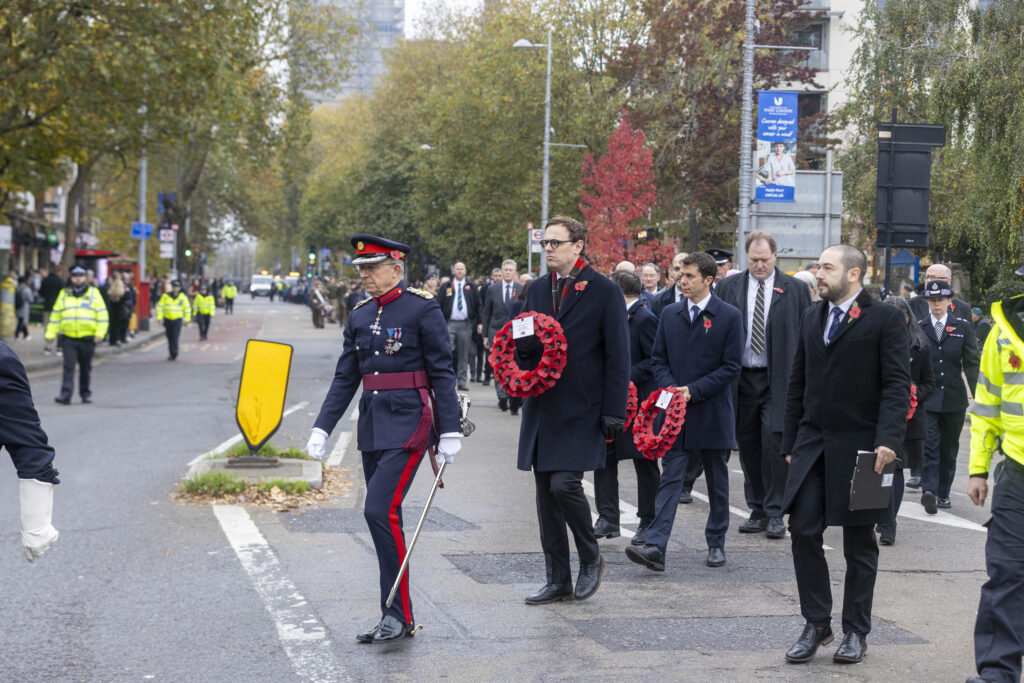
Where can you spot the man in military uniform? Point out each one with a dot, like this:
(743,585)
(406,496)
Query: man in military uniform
(173,310)
(395,343)
(81,316)
(23,437)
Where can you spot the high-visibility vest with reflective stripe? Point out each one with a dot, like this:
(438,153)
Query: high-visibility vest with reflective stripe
(229,291)
(205,305)
(998,408)
(78,317)
(173,308)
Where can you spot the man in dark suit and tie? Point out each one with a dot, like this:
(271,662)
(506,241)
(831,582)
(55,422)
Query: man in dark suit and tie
(461,309)
(771,303)
(698,347)
(672,294)
(563,431)
(849,390)
(497,298)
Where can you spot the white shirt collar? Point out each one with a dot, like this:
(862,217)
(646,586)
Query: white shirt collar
(844,305)
(942,320)
(702,304)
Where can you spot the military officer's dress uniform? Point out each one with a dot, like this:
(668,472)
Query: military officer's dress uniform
(174,310)
(205,308)
(397,345)
(954,349)
(81,316)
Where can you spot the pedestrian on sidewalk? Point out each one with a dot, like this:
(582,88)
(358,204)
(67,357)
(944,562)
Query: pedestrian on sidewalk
(114,292)
(205,308)
(23,298)
(173,310)
(50,289)
(81,316)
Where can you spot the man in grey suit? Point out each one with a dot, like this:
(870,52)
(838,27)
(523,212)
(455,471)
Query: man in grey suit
(494,315)
(771,303)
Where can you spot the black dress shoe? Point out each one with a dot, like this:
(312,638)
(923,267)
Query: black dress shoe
(887,536)
(929,501)
(851,650)
(979,679)
(503,404)
(486,382)
(716,557)
(640,537)
(367,636)
(552,592)
(63,401)
(752,525)
(462,387)
(685,498)
(589,579)
(86,399)
(807,645)
(605,529)
(392,629)
(647,555)
(776,529)
(943,503)
(913,483)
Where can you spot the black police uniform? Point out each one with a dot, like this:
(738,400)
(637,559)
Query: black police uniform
(397,346)
(20,430)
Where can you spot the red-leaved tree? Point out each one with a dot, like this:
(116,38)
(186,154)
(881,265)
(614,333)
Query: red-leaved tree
(618,191)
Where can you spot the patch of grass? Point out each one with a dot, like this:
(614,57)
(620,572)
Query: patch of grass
(214,483)
(292,488)
(268,451)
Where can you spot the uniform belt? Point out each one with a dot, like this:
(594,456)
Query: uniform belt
(396,380)
(747,368)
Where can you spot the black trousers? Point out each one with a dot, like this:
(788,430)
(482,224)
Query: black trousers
(203,321)
(606,488)
(941,450)
(79,351)
(172,328)
(860,548)
(118,323)
(999,630)
(388,475)
(764,468)
(912,451)
(229,306)
(561,503)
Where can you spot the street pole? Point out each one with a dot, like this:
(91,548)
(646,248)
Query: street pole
(746,130)
(142,201)
(547,158)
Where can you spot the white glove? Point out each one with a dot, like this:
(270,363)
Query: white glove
(317,444)
(447,447)
(37,532)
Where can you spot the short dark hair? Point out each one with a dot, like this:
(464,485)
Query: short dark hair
(704,261)
(628,282)
(761,235)
(576,230)
(851,257)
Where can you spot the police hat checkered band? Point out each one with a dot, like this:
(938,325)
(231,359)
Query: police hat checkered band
(938,288)
(78,270)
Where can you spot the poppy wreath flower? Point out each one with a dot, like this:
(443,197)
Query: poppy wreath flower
(854,311)
(913,401)
(1014,361)
(653,446)
(524,383)
(632,404)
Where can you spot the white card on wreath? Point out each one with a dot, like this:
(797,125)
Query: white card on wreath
(522,327)
(664,399)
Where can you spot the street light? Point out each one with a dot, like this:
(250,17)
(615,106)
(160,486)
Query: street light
(522,44)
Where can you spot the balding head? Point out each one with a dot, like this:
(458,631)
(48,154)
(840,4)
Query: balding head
(626,266)
(938,271)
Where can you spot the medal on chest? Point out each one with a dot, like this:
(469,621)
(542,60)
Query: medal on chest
(375,327)
(394,342)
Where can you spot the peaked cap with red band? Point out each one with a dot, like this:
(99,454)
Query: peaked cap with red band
(373,249)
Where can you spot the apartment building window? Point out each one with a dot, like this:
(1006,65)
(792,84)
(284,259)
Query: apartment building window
(814,36)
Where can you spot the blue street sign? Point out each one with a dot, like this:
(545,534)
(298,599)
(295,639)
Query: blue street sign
(160,203)
(141,231)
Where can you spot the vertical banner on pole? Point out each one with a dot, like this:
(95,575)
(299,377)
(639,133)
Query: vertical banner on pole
(776,146)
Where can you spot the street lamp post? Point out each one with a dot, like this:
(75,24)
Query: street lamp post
(521,44)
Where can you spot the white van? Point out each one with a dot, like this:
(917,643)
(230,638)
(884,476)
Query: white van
(260,285)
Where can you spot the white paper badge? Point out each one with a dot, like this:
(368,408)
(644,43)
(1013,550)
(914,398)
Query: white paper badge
(522,327)
(664,399)
(887,480)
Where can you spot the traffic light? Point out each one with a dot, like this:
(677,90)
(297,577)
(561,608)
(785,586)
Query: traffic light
(188,253)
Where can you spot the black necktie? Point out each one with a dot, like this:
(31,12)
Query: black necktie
(694,312)
(507,293)
(837,317)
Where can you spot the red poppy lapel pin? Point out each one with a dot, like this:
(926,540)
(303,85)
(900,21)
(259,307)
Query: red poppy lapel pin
(707,324)
(950,328)
(779,290)
(580,286)
(1014,361)
(854,311)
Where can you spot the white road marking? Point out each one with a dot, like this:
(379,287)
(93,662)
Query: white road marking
(302,634)
(217,450)
(338,452)
(914,510)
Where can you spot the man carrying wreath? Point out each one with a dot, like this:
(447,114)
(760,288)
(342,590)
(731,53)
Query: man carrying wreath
(564,429)
(698,348)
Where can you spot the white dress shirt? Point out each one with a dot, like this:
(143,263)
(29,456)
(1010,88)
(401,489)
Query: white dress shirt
(702,304)
(932,319)
(749,359)
(456,313)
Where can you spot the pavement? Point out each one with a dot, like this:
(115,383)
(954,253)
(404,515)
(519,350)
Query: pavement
(140,587)
(31,352)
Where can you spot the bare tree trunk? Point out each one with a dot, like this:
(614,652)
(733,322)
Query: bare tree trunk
(76,199)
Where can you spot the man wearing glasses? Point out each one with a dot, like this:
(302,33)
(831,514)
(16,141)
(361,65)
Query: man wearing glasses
(564,430)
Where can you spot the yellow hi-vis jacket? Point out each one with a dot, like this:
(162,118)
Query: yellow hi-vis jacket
(78,317)
(998,408)
(205,305)
(229,291)
(173,308)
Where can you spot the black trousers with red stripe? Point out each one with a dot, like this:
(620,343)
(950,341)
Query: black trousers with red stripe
(389,475)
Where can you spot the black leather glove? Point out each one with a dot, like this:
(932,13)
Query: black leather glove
(529,346)
(612,427)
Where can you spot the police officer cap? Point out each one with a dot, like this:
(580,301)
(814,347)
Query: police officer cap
(373,249)
(937,288)
(77,270)
(721,256)
(175,283)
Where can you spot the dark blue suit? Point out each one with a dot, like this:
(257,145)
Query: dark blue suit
(20,430)
(388,418)
(663,299)
(704,355)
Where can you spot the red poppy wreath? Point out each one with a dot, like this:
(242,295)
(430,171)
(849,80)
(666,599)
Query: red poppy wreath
(653,446)
(632,403)
(913,400)
(524,383)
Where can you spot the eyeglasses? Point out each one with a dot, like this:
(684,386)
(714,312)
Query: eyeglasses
(553,244)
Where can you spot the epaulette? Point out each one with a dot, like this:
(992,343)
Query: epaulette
(364,301)
(419,292)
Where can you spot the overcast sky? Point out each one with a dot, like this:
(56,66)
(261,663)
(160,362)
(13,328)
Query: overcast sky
(415,8)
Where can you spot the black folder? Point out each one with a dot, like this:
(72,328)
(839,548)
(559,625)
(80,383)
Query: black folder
(868,489)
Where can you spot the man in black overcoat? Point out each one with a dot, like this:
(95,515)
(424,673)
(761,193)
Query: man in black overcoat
(849,391)
(494,314)
(563,430)
(771,303)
